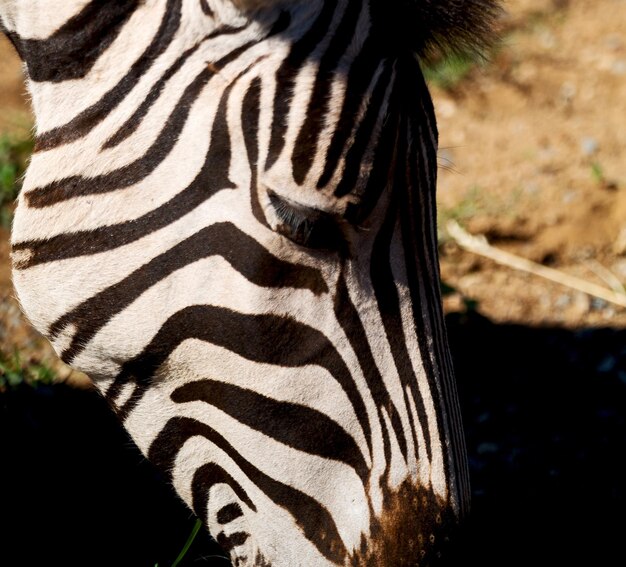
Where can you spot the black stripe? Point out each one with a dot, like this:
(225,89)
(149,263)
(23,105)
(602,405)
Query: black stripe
(134,121)
(285,79)
(420,223)
(315,521)
(419,238)
(241,251)
(213,177)
(124,410)
(228,543)
(308,136)
(359,78)
(380,175)
(131,125)
(350,322)
(294,425)
(388,301)
(269,339)
(229,513)
(206,8)
(250,117)
(204,479)
(355,157)
(71,52)
(128,175)
(90,117)
(421,274)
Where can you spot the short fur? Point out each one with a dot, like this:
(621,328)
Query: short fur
(431,28)
(450,26)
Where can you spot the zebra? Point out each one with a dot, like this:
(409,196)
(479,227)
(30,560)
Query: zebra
(229,224)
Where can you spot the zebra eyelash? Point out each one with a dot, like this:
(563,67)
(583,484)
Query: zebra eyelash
(307,227)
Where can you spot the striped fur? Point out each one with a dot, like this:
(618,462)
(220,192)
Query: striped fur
(229,224)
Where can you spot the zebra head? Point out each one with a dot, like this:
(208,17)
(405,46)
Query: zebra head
(229,224)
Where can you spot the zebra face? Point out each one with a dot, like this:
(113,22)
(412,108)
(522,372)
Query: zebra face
(229,224)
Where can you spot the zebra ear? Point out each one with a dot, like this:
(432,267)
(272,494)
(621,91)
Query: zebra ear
(440,27)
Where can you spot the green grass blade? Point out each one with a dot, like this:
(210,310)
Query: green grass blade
(190,540)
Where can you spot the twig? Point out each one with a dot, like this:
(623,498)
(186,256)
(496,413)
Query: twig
(479,245)
(606,275)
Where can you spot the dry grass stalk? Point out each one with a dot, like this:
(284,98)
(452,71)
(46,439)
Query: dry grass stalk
(479,245)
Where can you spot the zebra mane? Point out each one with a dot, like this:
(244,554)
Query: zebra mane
(436,27)
(431,28)
(251,5)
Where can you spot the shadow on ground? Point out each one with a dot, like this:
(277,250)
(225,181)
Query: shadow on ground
(546,431)
(545,418)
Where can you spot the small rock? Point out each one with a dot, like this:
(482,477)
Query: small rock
(570,197)
(446,108)
(619,67)
(609,313)
(585,253)
(526,73)
(563,301)
(531,188)
(589,146)
(547,39)
(597,304)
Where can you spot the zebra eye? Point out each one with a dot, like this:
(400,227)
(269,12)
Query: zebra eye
(306,226)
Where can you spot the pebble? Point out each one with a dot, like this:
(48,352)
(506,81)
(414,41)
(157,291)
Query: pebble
(531,188)
(570,197)
(446,108)
(547,39)
(619,67)
(563,301)
(589,146)
(609,313)
(597,304)
(585,253)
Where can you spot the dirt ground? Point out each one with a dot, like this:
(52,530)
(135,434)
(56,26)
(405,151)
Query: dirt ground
(533,157)
(532,150)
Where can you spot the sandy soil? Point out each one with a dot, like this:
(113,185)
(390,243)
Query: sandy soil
(532,149)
